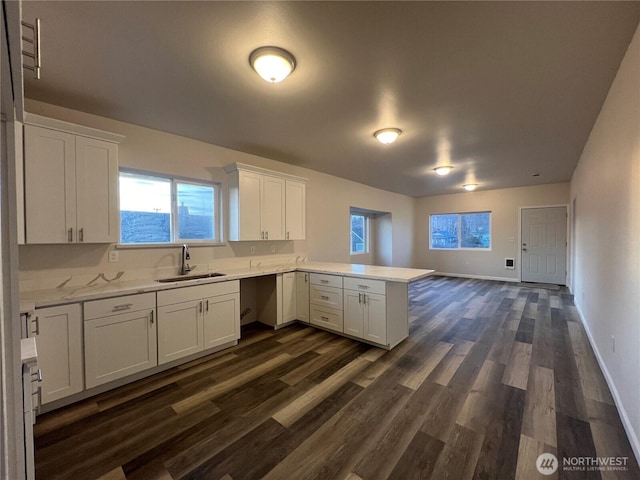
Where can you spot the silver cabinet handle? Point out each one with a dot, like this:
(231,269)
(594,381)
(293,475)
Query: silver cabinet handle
(324,281)
(287,235)
(36,376)
(364,298)
(267,234)
(81,235)
(124,306)
(305,278)
(324,297)
(200,306)
(359,298)
(326,319)
(207,305)
(151,315)
(70,235)
(364,286)
(262,233)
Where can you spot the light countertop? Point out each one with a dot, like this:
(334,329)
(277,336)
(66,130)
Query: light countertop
(60,296)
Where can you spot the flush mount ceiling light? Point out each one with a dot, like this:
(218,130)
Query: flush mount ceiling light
(444,170)
(274,64)
(387,135)
(470,187)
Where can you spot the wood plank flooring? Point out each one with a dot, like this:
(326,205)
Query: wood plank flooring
(491,376)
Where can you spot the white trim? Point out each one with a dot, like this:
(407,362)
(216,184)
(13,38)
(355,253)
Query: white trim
(40,121)
(243,166)
(628,427)
(519,263)
(476,277)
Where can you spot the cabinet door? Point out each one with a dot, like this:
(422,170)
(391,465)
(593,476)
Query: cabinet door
(295,210)
(50,185)
(221,320)
(302,296)
(375,318)
(288,297)
(249,206)
(180,330)
(273,205)
(353,313)
(60,351)
(119,345)
(97,190)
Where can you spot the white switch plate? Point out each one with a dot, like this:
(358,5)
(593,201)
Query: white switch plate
(113,256)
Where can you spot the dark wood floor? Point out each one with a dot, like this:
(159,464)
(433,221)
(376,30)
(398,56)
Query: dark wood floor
(491,376)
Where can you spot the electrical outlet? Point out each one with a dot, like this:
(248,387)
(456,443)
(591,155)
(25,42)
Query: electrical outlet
(613,344)
(113,256)
(252,249)
(273,249)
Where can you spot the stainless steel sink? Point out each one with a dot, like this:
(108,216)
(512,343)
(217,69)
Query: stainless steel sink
(184,278)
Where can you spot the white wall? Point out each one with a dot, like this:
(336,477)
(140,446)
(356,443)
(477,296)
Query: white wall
(328,202)
(504,206)
(606,190)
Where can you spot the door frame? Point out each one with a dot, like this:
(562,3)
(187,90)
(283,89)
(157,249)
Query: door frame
(568,256)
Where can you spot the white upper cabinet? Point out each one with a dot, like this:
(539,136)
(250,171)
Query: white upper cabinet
(71,184)
(295,208)
(265,205)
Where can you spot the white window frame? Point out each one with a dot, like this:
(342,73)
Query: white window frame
(174,181)
(367,236)
(470,249)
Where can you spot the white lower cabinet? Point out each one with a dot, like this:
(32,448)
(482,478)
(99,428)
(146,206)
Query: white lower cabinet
(119,337)
(221,319)
(59,339)
(302,296)
(289,307)
(365,309)
(325,301)
(191,319)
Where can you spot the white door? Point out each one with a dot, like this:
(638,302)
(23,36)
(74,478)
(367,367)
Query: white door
(249,205)
(119,345)
(221,319)
(544,245)
(302,296)
(60,351)
(375,318)
(288,297)
(273,204)
(50,185)
(295,210)
(353,313)
(97,195)
(180,330)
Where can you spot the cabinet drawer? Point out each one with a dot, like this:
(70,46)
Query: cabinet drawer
(326,280)
(197,292)
(330,318)
(114,306)
(365,285)
(326,296)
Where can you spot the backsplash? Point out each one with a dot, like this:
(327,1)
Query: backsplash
(86,277)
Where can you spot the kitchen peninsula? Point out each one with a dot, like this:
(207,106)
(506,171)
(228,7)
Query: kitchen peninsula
(104,334)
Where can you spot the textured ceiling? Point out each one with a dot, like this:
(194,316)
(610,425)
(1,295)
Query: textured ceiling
(498,90)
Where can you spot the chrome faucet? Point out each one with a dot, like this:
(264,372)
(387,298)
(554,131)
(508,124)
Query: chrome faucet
(185,256)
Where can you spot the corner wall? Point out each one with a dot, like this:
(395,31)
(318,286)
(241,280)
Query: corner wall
(504,205)
(605,190)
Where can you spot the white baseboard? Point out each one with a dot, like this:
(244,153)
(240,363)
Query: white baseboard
(628,427)
(477,277)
